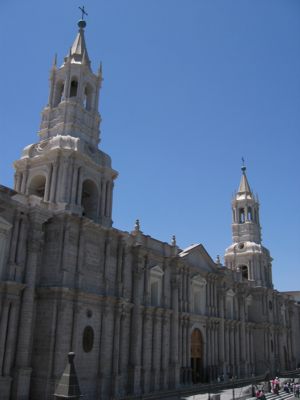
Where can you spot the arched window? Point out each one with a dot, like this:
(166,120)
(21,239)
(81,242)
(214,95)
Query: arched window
(249,214)
(244,270)
(89,199)
(88,93)
(88,339)
(37,185)
(59,90)
(73,88)
(241,215)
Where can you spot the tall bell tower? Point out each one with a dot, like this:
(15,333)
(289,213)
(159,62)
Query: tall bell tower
(246,255)
(65,170)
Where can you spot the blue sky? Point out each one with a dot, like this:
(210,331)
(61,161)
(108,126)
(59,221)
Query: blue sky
(190,86)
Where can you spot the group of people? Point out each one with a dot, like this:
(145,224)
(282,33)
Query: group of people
(274,386)
(292,387)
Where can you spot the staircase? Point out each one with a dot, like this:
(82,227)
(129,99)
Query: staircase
(281,396)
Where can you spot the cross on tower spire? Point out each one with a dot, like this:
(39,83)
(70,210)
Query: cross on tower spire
(83,12)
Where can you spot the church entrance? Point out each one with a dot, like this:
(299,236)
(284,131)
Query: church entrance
(197,356)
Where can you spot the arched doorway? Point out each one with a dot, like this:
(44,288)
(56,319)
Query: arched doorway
(197,356)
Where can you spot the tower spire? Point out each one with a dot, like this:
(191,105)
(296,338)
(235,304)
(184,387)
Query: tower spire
(78,53)
(246,255)
(73,173)
(244,187)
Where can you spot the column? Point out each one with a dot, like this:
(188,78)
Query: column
(48,183)
(111,198)
(11,338)
(24,349)
(147,350)
(24,181)
(136,326)
(74,184)
(5,381)
(156,351)
(165,334)
(53,182)
(17,181)
(64,165)
(174,375)
(221,336)
(116,350)
(107,199)
(106,351)
(103,198)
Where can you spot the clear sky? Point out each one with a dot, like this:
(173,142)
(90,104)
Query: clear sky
(190,86)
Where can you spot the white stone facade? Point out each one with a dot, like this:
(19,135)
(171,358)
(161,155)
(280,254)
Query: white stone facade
(141,315)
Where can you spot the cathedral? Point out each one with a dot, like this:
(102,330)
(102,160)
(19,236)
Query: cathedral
(141,315)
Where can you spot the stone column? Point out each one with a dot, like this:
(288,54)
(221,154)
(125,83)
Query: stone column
(147,349)
(105,352)
(174,375)
(4,317)
(64,166)
(165,343)
(5,381)
(116,351)
(75,174)
(48,183)
(156,350)
(24,180)
(53,182)
(17,185)
(26,325)
(11,338)
(136,325)
(79,186)
(232,348)
(108,197)
(103,198)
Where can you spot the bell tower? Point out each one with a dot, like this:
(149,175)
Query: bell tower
(65,170)
(246,255)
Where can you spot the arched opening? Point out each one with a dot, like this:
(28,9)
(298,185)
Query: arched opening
(241,215)
(197,356)
(37,186)
(87,103)
(244,270)
(59,90)
(88,339)
(249,214)
(89,199)
(73,88)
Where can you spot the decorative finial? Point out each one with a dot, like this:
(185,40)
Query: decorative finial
(100,71)
(243,165)
(218,261)
(82,23)
(137,225)
(173,243)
